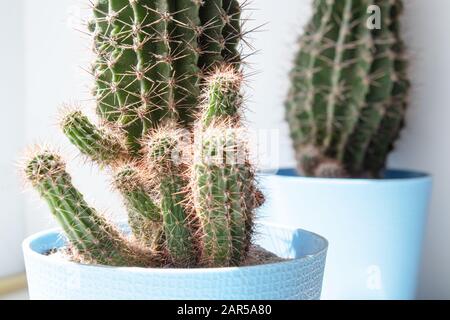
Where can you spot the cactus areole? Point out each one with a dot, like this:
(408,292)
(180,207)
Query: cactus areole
(167,86)
(349,89)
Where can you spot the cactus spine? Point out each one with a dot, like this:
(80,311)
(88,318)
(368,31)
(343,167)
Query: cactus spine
(349,89)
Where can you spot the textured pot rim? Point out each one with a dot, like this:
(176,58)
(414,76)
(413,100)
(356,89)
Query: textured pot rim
(28,251)
(407,177)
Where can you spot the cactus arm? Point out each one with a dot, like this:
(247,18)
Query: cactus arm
(129,183)
(144,216)
(232,31)
(177,234)
(95,143)
(168,180)
(223,97)
(213,211)
(212,42)
(94,238)
(219,177)
(238,211)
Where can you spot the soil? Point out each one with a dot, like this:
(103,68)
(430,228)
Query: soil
(259,256)
(256,256)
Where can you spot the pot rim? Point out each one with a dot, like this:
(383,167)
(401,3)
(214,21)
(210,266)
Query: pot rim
(396,176)
(57,232)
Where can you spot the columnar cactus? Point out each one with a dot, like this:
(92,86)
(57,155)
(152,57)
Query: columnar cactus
(349,89)
(151,55)
(166,72)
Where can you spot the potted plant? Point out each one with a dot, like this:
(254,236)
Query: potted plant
(345,109)
(171,136)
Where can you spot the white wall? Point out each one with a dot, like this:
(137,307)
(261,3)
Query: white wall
(12,88)
(55,54)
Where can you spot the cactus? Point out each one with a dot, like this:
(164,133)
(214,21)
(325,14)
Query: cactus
(165,72)
(93,238)
(167,177)
(221,177)
(150,59)
(144,216)
(349,89)
(190,204)
(151,55)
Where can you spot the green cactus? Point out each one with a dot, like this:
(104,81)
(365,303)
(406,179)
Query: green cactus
(151,55)
(349,89)
(93,238)
(221,178)
(167,177)
(166,75)
(144,216)
(190,204)
(99,145)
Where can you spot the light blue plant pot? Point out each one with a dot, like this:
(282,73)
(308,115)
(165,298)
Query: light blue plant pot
(52,277)
(375,228)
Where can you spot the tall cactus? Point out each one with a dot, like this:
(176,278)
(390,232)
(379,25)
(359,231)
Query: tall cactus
(165,70)
(349,89)
(151,55)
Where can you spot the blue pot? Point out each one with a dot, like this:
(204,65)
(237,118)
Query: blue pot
(375,228)
(52,277)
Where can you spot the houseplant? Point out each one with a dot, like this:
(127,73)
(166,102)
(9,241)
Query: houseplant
(168,93)
(345,109)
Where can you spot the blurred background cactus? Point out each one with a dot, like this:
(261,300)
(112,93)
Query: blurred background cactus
(349,88)
(168,94)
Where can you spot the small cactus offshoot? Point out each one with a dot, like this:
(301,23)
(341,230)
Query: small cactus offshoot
(349,89)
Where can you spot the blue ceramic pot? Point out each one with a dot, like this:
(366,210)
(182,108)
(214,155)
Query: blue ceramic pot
(375,228)
(52,277)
